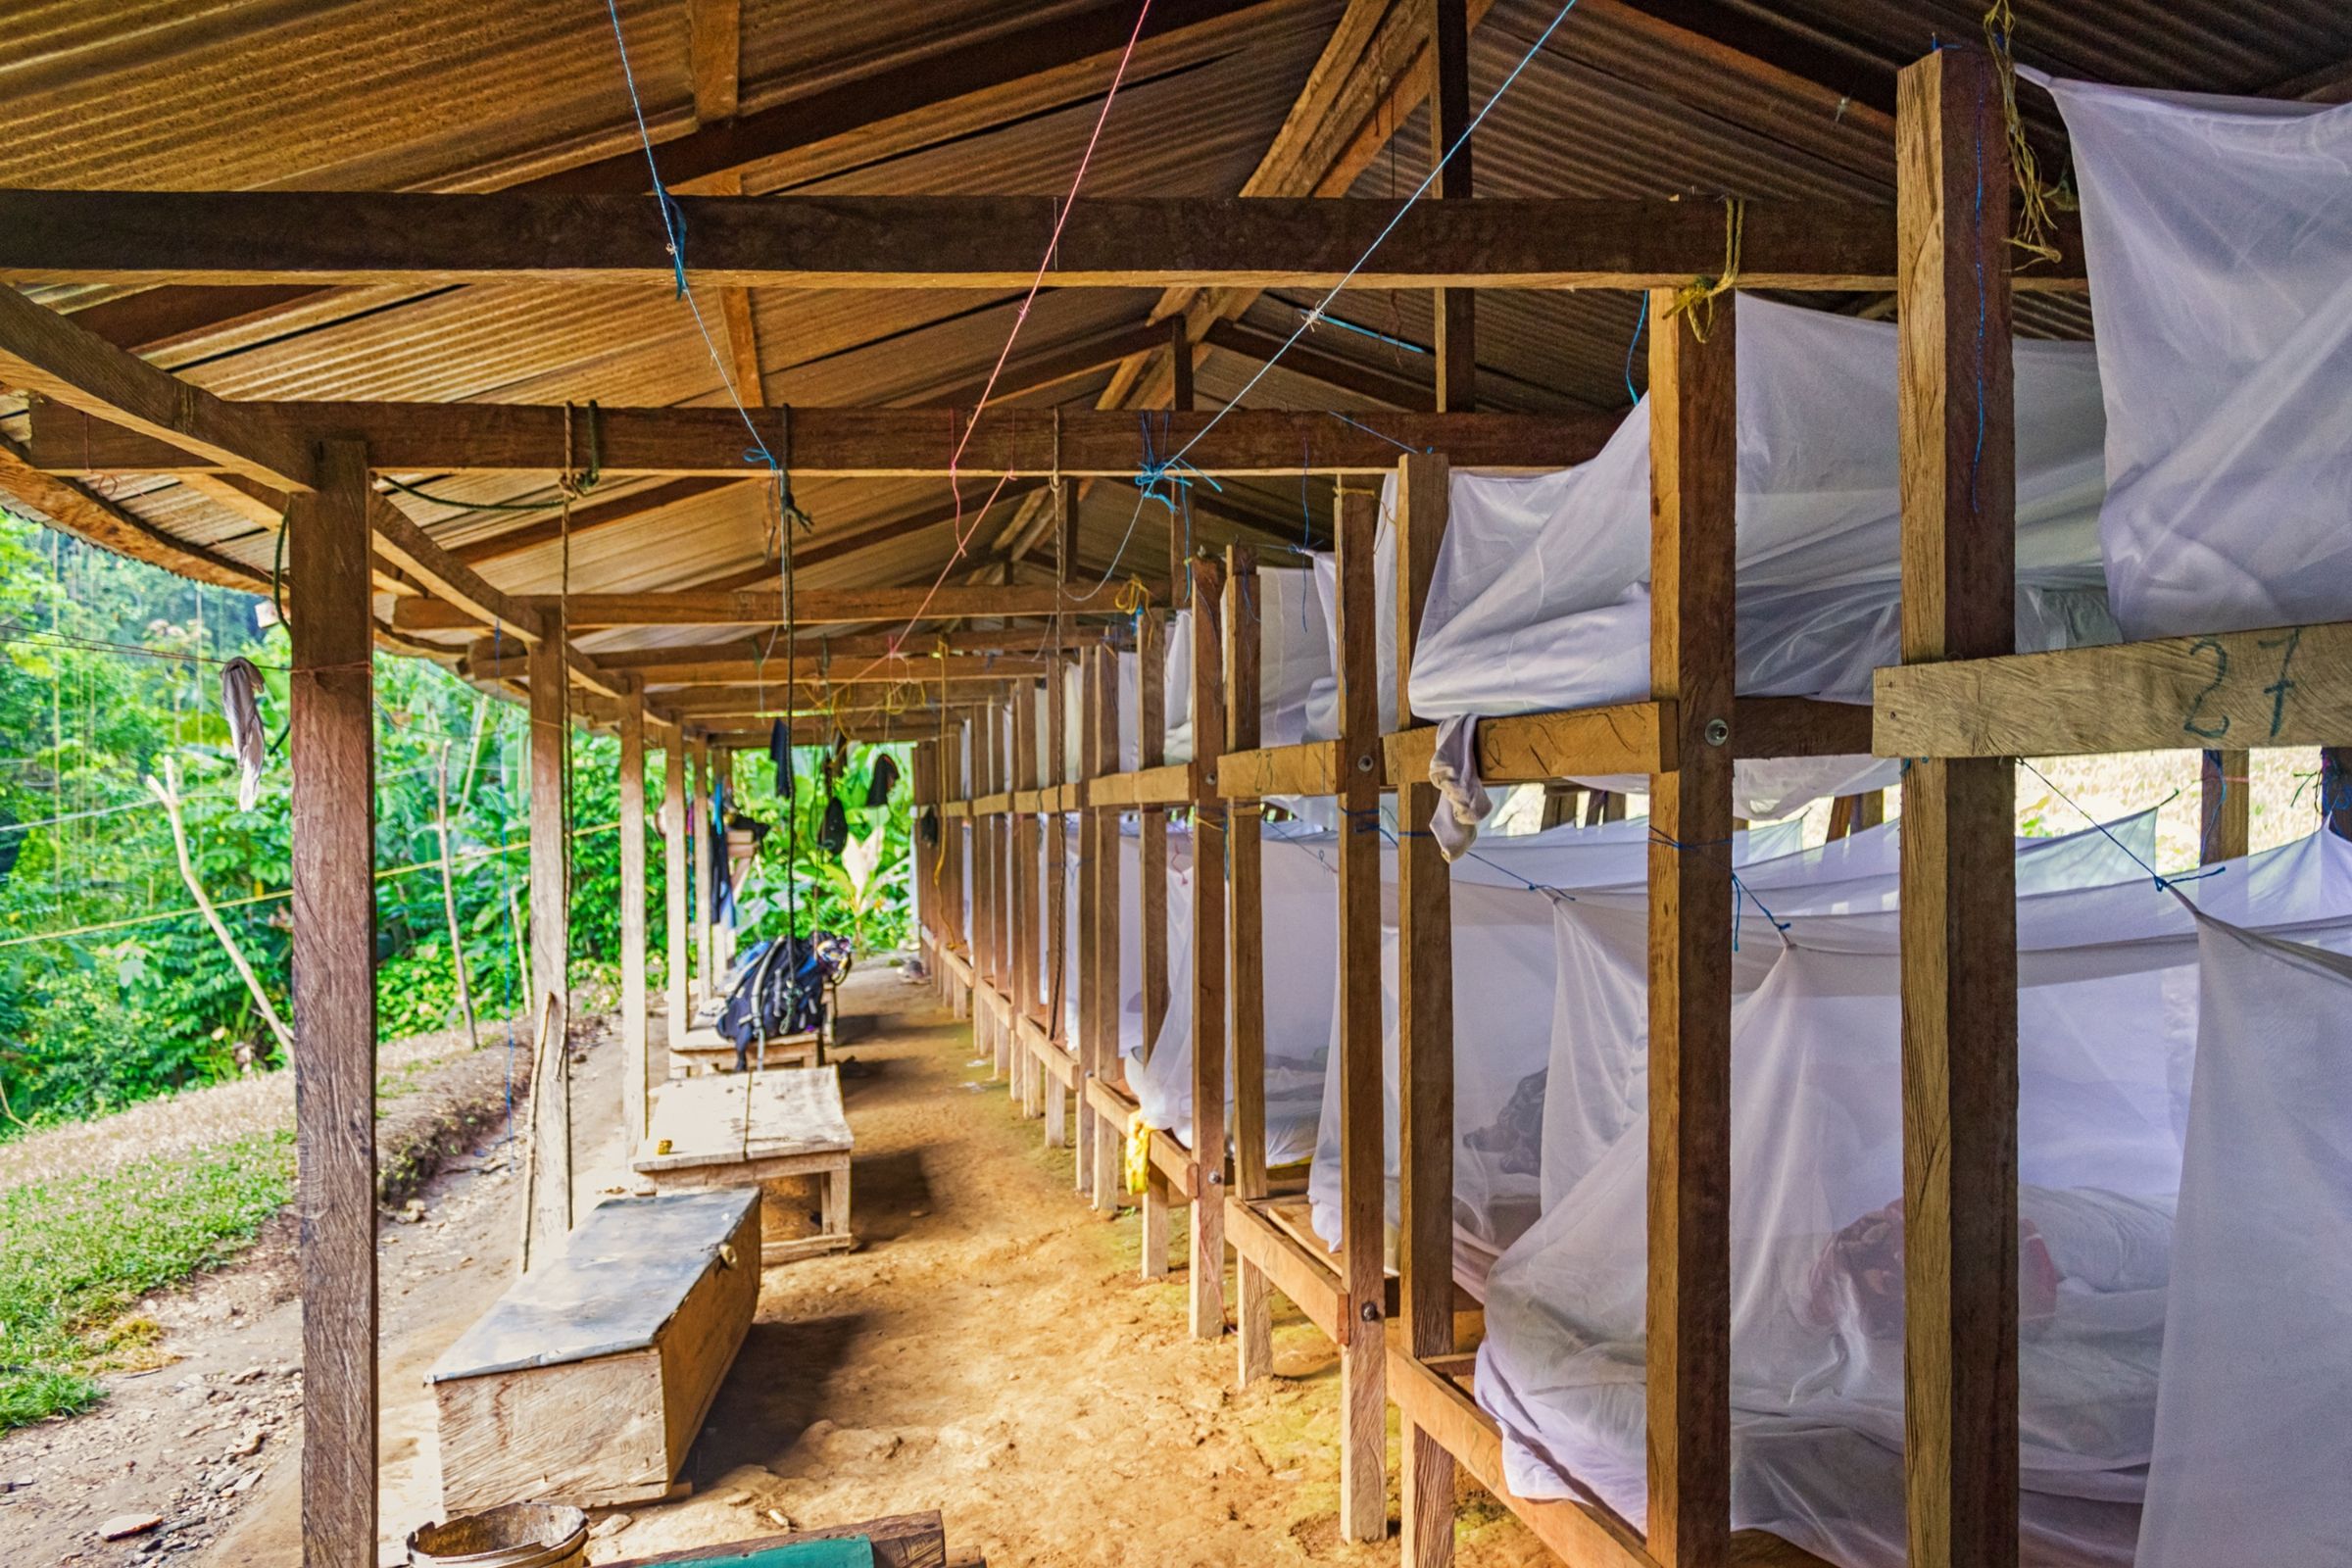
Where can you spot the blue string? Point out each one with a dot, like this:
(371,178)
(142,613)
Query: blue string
(1640,322)
(1738,886)
(1420,190)
(673,217)
(2163,882)
(1383,435)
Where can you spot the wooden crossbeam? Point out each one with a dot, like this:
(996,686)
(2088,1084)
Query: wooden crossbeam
(927,673)
(932,242)
(811,606)
(916,654)
(2280,686)
(779,698)
(845,443)
(45,354)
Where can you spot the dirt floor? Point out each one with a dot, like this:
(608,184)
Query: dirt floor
(987,1352)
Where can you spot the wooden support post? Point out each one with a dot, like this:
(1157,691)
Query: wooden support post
(1151,894)
(1692,445)
(1455,344)
(2226,821)
(706,875)
(1059,970)
(1363,1197)
(1959,911)
(1001,890)
(1100,737)
(1180,400)
(1425,1033)
(549,1210)
(332,713)
(1209,962)
(677,830)
(1245,638)
(636,1079)
(959,871)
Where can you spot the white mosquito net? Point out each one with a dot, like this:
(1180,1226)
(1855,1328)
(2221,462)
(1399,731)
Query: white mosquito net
(2219,237)
(2111,986)
(1502,1005)
(2252,1446)
(1539,597)
(1302,966)
(1294,651)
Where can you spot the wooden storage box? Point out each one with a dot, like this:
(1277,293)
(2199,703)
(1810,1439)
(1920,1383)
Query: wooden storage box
(588,1380)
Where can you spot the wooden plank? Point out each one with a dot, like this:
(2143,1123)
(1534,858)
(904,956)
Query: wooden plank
(548,1214)
(1455,343)
(1578,1532)
(811,606)
(1959,916)
(1099,837)
(932,242)
(1244,638)
(689,685)
(706,973)
(1307,767)
(44,354)
(331,712)
(2278,686)
(713,52)
(1424,1011)
(1174,1162)
(1693,485)
(1307,1281)
(2226,820)
(1529,747)
(1209,844)
(459,438)
(1363,1204)
(413,552)
(912,657)
(902,1541)
(1151,707)
(676,832)
(637,1069)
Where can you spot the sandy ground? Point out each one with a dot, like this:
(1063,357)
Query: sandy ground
(987,1352)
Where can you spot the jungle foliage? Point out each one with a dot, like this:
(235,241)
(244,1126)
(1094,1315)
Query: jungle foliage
(114,989)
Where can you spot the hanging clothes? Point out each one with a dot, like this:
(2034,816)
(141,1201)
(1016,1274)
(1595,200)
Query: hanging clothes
(722,882)
(833,834)
(779,752)
(1464,803)
(885,778)
(240,703)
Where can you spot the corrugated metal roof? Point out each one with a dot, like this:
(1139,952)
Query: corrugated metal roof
(414,93)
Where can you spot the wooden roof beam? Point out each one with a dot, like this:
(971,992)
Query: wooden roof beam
(812,606)
(45,354)
(850,443)
(934,242)
(486,660)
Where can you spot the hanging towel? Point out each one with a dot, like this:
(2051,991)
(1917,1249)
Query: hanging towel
(833,833)
(1464,803)
(779,751)
(240,701)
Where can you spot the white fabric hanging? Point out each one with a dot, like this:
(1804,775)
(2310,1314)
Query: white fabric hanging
(1294,652)
(2217,233)
(2109,1009)
(1540,596)
(2253,1450)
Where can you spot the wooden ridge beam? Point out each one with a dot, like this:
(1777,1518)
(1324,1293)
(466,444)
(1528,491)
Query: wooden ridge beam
(926,674)
(916,654)
(843,443)
(811,606)
(933,242)
(2279,686)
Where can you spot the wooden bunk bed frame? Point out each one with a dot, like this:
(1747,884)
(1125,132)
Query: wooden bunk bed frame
(1961,707)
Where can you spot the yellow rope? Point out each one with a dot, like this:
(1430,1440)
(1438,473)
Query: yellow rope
(2035,198)
(1695,300)
(1134,597)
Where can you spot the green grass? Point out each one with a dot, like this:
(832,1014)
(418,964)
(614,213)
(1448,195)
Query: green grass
(75,1251)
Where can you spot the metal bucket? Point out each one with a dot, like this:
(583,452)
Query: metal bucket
(519,1535)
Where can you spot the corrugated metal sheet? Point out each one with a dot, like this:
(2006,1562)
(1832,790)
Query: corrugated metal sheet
(230,93)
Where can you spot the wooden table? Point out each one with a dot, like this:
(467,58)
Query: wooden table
(750,1129)
(588,1380)
(705,1051)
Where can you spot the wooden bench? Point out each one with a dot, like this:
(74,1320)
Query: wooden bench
(588,1380)
(752,1129)
(705,1051)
